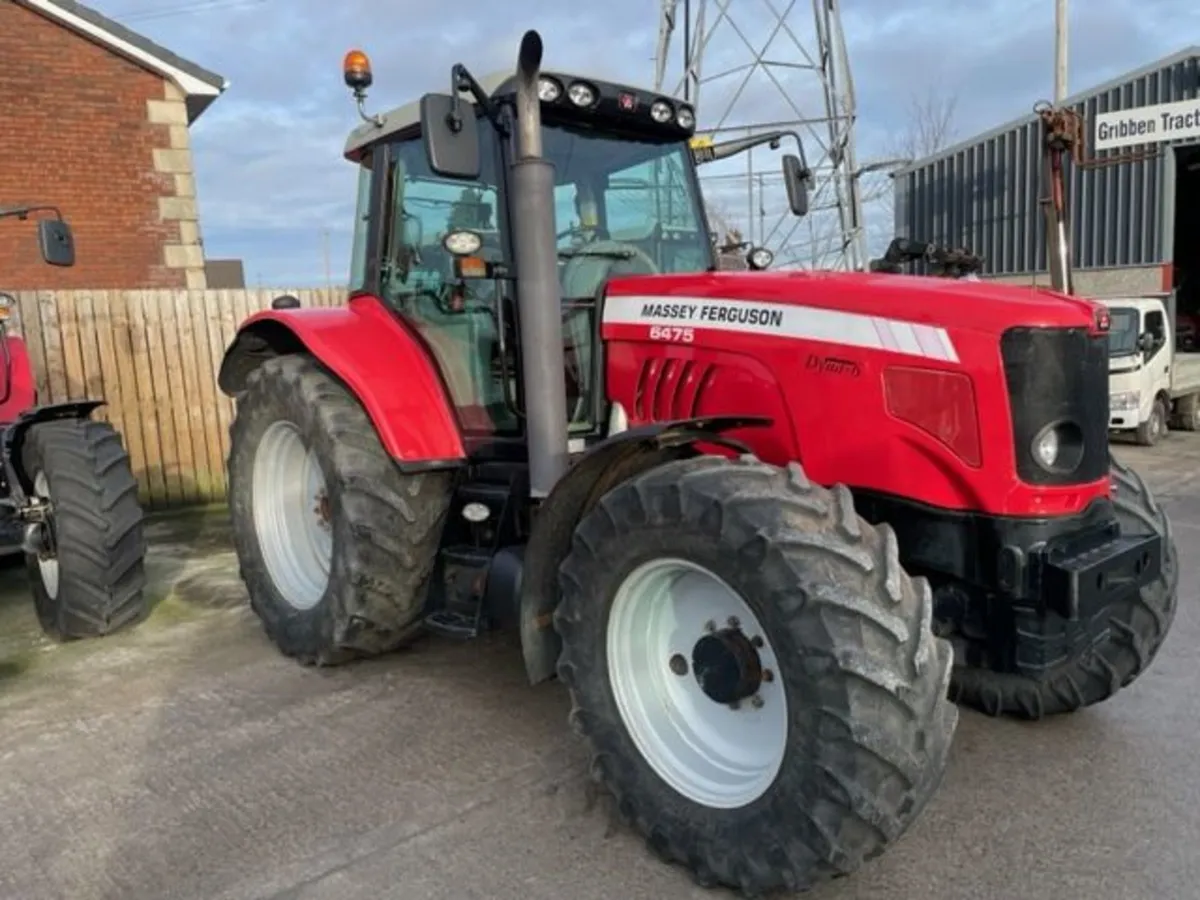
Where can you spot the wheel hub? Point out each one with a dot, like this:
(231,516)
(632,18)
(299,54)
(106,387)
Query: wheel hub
(727,666)
(696,682)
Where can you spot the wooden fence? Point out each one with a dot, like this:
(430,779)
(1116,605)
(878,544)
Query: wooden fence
(153,356)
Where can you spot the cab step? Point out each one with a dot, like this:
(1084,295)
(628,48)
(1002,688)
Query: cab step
(454,625)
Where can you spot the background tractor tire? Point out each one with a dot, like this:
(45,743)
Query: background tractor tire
(1138,625)
(378,540)
(866,724)
(93,585)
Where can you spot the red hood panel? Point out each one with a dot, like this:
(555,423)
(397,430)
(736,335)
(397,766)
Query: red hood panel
(950,303)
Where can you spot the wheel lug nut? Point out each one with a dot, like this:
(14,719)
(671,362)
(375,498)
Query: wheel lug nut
(756,641)
(736,704)
(768,675)
(678,664)
(733,622)
(756,701)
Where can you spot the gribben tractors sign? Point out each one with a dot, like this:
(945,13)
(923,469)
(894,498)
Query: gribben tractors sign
(1147,125)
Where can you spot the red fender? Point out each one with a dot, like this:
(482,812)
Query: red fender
(18,389)
(380,360)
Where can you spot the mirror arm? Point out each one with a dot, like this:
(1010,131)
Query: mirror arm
(726,149)
(462,80)
(795,135)
(22,212)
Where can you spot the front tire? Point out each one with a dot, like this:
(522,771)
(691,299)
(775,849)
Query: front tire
(88,579)
(1138,625)
(335,543)
(1154,429)
(838,752)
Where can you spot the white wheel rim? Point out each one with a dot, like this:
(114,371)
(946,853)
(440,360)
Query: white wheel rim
(291,516)
(47,566)
(712,754)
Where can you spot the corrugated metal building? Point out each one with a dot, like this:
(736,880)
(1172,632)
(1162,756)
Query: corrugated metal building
(1129,221)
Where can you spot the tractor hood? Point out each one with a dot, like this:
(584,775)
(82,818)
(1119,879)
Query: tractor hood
(949,303)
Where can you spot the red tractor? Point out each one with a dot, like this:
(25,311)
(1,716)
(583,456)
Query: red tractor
(765,526)
(68,496)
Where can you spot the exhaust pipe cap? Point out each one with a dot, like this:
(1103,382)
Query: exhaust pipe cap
(529,58)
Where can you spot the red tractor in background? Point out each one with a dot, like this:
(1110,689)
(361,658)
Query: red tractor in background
(764,526)
(68,496)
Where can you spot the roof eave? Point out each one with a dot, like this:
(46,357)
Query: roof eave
(199,86)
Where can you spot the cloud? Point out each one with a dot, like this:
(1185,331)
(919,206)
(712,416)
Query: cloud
(274,189)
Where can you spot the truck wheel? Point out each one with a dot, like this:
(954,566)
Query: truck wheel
(1154,429)
(1137,627)
(335,544)
(1187,413)
(88,573)
(755,673)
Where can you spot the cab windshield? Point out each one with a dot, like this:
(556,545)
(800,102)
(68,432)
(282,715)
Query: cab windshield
(622,206)
(1122,331)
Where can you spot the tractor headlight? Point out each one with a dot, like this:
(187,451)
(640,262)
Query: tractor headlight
(661,112)
(1059,447)
(462,242)
(1045,448)
(1125,401)
(686,118)
(581,94)
(549,90)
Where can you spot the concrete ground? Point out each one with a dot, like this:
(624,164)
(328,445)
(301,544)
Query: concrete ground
(189,760)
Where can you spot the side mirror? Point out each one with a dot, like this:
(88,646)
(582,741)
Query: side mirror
(56,242)
(1146,342)
(796,178)
(451,135)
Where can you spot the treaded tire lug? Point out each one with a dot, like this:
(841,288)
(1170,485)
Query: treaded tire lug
(387,525)
(98,522)
(866,678)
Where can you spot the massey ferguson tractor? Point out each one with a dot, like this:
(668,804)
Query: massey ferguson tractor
(766,527)
(68,497)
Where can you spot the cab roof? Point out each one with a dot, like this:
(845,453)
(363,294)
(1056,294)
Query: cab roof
(494,84)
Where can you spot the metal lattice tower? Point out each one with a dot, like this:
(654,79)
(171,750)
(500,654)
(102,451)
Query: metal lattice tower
(763,72)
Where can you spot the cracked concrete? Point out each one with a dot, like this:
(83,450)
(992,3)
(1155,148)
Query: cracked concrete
(189,760)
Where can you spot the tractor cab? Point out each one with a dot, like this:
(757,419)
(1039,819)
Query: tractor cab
(434,236)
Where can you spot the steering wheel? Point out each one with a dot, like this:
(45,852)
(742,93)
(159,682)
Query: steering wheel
(583,274)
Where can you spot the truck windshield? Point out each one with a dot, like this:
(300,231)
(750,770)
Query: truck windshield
(1123,331)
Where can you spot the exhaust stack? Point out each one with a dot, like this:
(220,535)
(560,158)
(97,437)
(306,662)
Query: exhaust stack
(543,361)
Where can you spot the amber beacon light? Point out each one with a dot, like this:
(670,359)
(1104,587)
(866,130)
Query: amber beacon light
(356,69)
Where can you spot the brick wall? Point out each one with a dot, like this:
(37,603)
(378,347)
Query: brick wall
(105,141)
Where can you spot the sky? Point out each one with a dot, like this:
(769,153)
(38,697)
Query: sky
(275,191)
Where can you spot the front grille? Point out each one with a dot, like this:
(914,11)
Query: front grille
(1056,375)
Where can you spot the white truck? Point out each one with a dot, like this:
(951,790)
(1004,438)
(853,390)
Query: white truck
(1152,384)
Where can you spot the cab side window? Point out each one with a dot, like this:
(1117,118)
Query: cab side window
(1156,325)
(358,256)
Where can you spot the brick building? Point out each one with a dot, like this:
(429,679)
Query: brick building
(94,119)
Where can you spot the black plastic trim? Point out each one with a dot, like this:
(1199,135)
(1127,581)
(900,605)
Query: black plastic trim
(1057,375)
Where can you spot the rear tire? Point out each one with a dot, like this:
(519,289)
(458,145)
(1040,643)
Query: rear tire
(1138,625)
(340,568)
(1187,413)
(92,583)
(860,689)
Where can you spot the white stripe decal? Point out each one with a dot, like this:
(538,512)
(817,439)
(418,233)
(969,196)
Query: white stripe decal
(808,323)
